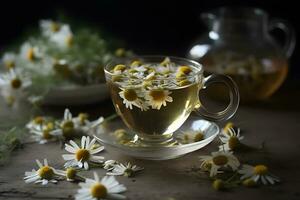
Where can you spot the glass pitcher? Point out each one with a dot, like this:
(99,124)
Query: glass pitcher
(239,44)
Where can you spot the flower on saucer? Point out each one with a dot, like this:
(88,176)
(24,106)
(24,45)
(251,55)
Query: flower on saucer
(42,133)
(258,173)
(191,137)
(124,170)
(29,52)
(110,164)
(49,27)
(81,157)
(70,174)
(131,97)
(106,188)
(9,60)
(219,160)
(12,85)
(158,97)
(43,175)
(231,140)
(64,37)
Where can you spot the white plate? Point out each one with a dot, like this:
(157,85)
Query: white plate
(109,140)
(77,95)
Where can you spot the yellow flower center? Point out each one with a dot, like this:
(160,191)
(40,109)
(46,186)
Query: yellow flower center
(82,117)
(249,182)
(50,126)
(38,120)
(30,54)
(185,70)
(227,127)
(46,134)
(9,64)
(136,63)
(82,154)
(220,160)
(71,173)
(233,142)
(130,95)
(46,172)
(120,52)
(16,83)
(260,169)
(218,184)
(184,82)
(157,95)
(54,27)
(198,137)
(68,128)
(119,68)
(69,40)
(98,191)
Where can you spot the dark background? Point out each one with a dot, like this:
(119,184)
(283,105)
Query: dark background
(148,27)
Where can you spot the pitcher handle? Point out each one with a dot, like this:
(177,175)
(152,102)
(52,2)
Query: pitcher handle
(290,36)
(234,99)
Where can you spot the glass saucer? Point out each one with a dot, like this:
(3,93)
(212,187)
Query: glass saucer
(116,137)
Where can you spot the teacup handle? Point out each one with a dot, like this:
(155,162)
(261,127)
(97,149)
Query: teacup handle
(234,99)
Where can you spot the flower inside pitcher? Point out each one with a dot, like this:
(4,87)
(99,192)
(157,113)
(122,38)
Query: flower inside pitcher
(154,98)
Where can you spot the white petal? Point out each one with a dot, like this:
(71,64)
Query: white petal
(70,148)
(91,144)
(97,158)
(83,142)
(74,144)
(116,196)
(45,162)
(67,114)
(97,150)
(39,163)
(86,165)
(96,177)
(68,156)
(32,179)
(44,182)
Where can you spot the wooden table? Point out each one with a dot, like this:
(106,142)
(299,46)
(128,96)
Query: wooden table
(277,122)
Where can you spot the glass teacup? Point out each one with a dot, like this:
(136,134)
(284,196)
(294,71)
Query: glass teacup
(154,95)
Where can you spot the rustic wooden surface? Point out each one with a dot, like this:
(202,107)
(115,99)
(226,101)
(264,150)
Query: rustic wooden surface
(277,122)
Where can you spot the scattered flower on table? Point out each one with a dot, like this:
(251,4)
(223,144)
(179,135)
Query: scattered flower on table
(231,140)
(217,160)
(82,157)
(190,136)
(110,164)
(29,52)
(9,60)
(43,175)
(106,188)
(258,173)
(70,174)
(42,133)
(124,170)
(49,27)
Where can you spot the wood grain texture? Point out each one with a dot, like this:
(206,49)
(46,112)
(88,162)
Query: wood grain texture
(175,179)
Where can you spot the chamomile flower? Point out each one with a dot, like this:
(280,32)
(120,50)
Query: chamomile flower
(191,137)
(85,125)
(82,156)
(43,175)
(131,97)
(68,127)
(106,188)
(29,52)
(42,133)
(9,60)
(64,37)
(124,170)
(49,27)
(12,85)
(70,174)
(36,121)
(110,164)
(157,97)
(231,140)
(219,160)
(258,173)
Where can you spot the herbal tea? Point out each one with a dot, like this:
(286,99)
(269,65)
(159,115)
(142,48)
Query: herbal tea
(154,99)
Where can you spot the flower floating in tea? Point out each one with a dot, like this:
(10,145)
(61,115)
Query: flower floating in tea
(151,85)
(43,175)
